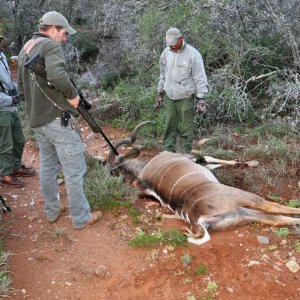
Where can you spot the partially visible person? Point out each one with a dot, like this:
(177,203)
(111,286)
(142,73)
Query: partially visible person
(48,103)
(183,80)
(11,134)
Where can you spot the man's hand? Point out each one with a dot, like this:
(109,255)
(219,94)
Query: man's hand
(15,101)
(159,101)
(201,106)
(74,102)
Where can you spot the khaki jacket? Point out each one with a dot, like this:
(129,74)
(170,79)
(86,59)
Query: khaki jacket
(182,73)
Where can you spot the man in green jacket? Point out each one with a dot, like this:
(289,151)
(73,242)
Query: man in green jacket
(47,102)
(183,80)
(11,134)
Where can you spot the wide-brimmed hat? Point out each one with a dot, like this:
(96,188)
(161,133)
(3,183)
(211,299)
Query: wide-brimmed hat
(56,19)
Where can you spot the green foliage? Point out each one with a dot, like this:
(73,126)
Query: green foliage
(297,246)
(134,213)
(186,260)
(212,287)
(269,148)
(5,280)
(294,203)
(273,247)
(266,130)
(171,237)
(282,232)
(103,190)
(201,270)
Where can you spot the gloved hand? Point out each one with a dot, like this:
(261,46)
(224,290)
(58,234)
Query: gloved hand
(159,101)
(15,101)
(201,106)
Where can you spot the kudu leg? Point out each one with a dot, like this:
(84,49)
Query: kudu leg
(272,207)
(242,216)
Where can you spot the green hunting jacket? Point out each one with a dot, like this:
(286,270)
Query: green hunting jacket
(36,91)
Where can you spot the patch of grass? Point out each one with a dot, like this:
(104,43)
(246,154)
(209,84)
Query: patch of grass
(277,199)
(273,247)
(295,203)
(105,191)
(61,232)
(212,287)
(186,260)
(282,232)
(256,152)
(171,237)
(266,130)
(134,213)
(5,280)
(297,246)
(201,270)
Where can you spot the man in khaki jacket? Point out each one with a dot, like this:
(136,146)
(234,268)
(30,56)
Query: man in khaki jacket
(183,80)
(50,104)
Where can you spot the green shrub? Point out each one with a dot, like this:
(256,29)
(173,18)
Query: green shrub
(171,237)
(103,190)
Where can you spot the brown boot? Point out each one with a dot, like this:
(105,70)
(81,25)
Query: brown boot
(25,171)
(12,181)
(94,218)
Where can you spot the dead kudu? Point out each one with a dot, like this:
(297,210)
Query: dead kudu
(194,194)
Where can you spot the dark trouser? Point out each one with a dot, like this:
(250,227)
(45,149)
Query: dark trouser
(11,142)
(179,121)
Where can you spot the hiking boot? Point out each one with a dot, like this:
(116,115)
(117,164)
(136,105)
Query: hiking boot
(63,208)
(12,181)
(94,218)
(25,171)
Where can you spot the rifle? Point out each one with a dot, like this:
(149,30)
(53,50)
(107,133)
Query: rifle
(37,65)
(5,207)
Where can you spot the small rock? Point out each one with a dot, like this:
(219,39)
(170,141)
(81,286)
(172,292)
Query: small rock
(265,258)
(230,289)
(263,239)
(241,235)
(292,266)
(100,271)
(283,242)
(253,263)
(23,291)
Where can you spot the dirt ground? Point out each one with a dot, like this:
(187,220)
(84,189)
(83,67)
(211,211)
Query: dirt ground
(53,261)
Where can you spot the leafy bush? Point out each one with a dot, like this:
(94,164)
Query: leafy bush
(103,190)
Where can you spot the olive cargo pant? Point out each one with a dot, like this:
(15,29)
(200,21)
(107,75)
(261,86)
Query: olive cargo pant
(179,122)
(11,142)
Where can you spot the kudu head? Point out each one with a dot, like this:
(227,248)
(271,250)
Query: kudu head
(114,164)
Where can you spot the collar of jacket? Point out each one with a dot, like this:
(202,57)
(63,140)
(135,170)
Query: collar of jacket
(39,34)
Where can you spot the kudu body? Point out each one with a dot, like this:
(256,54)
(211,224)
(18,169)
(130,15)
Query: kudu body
(195,195)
